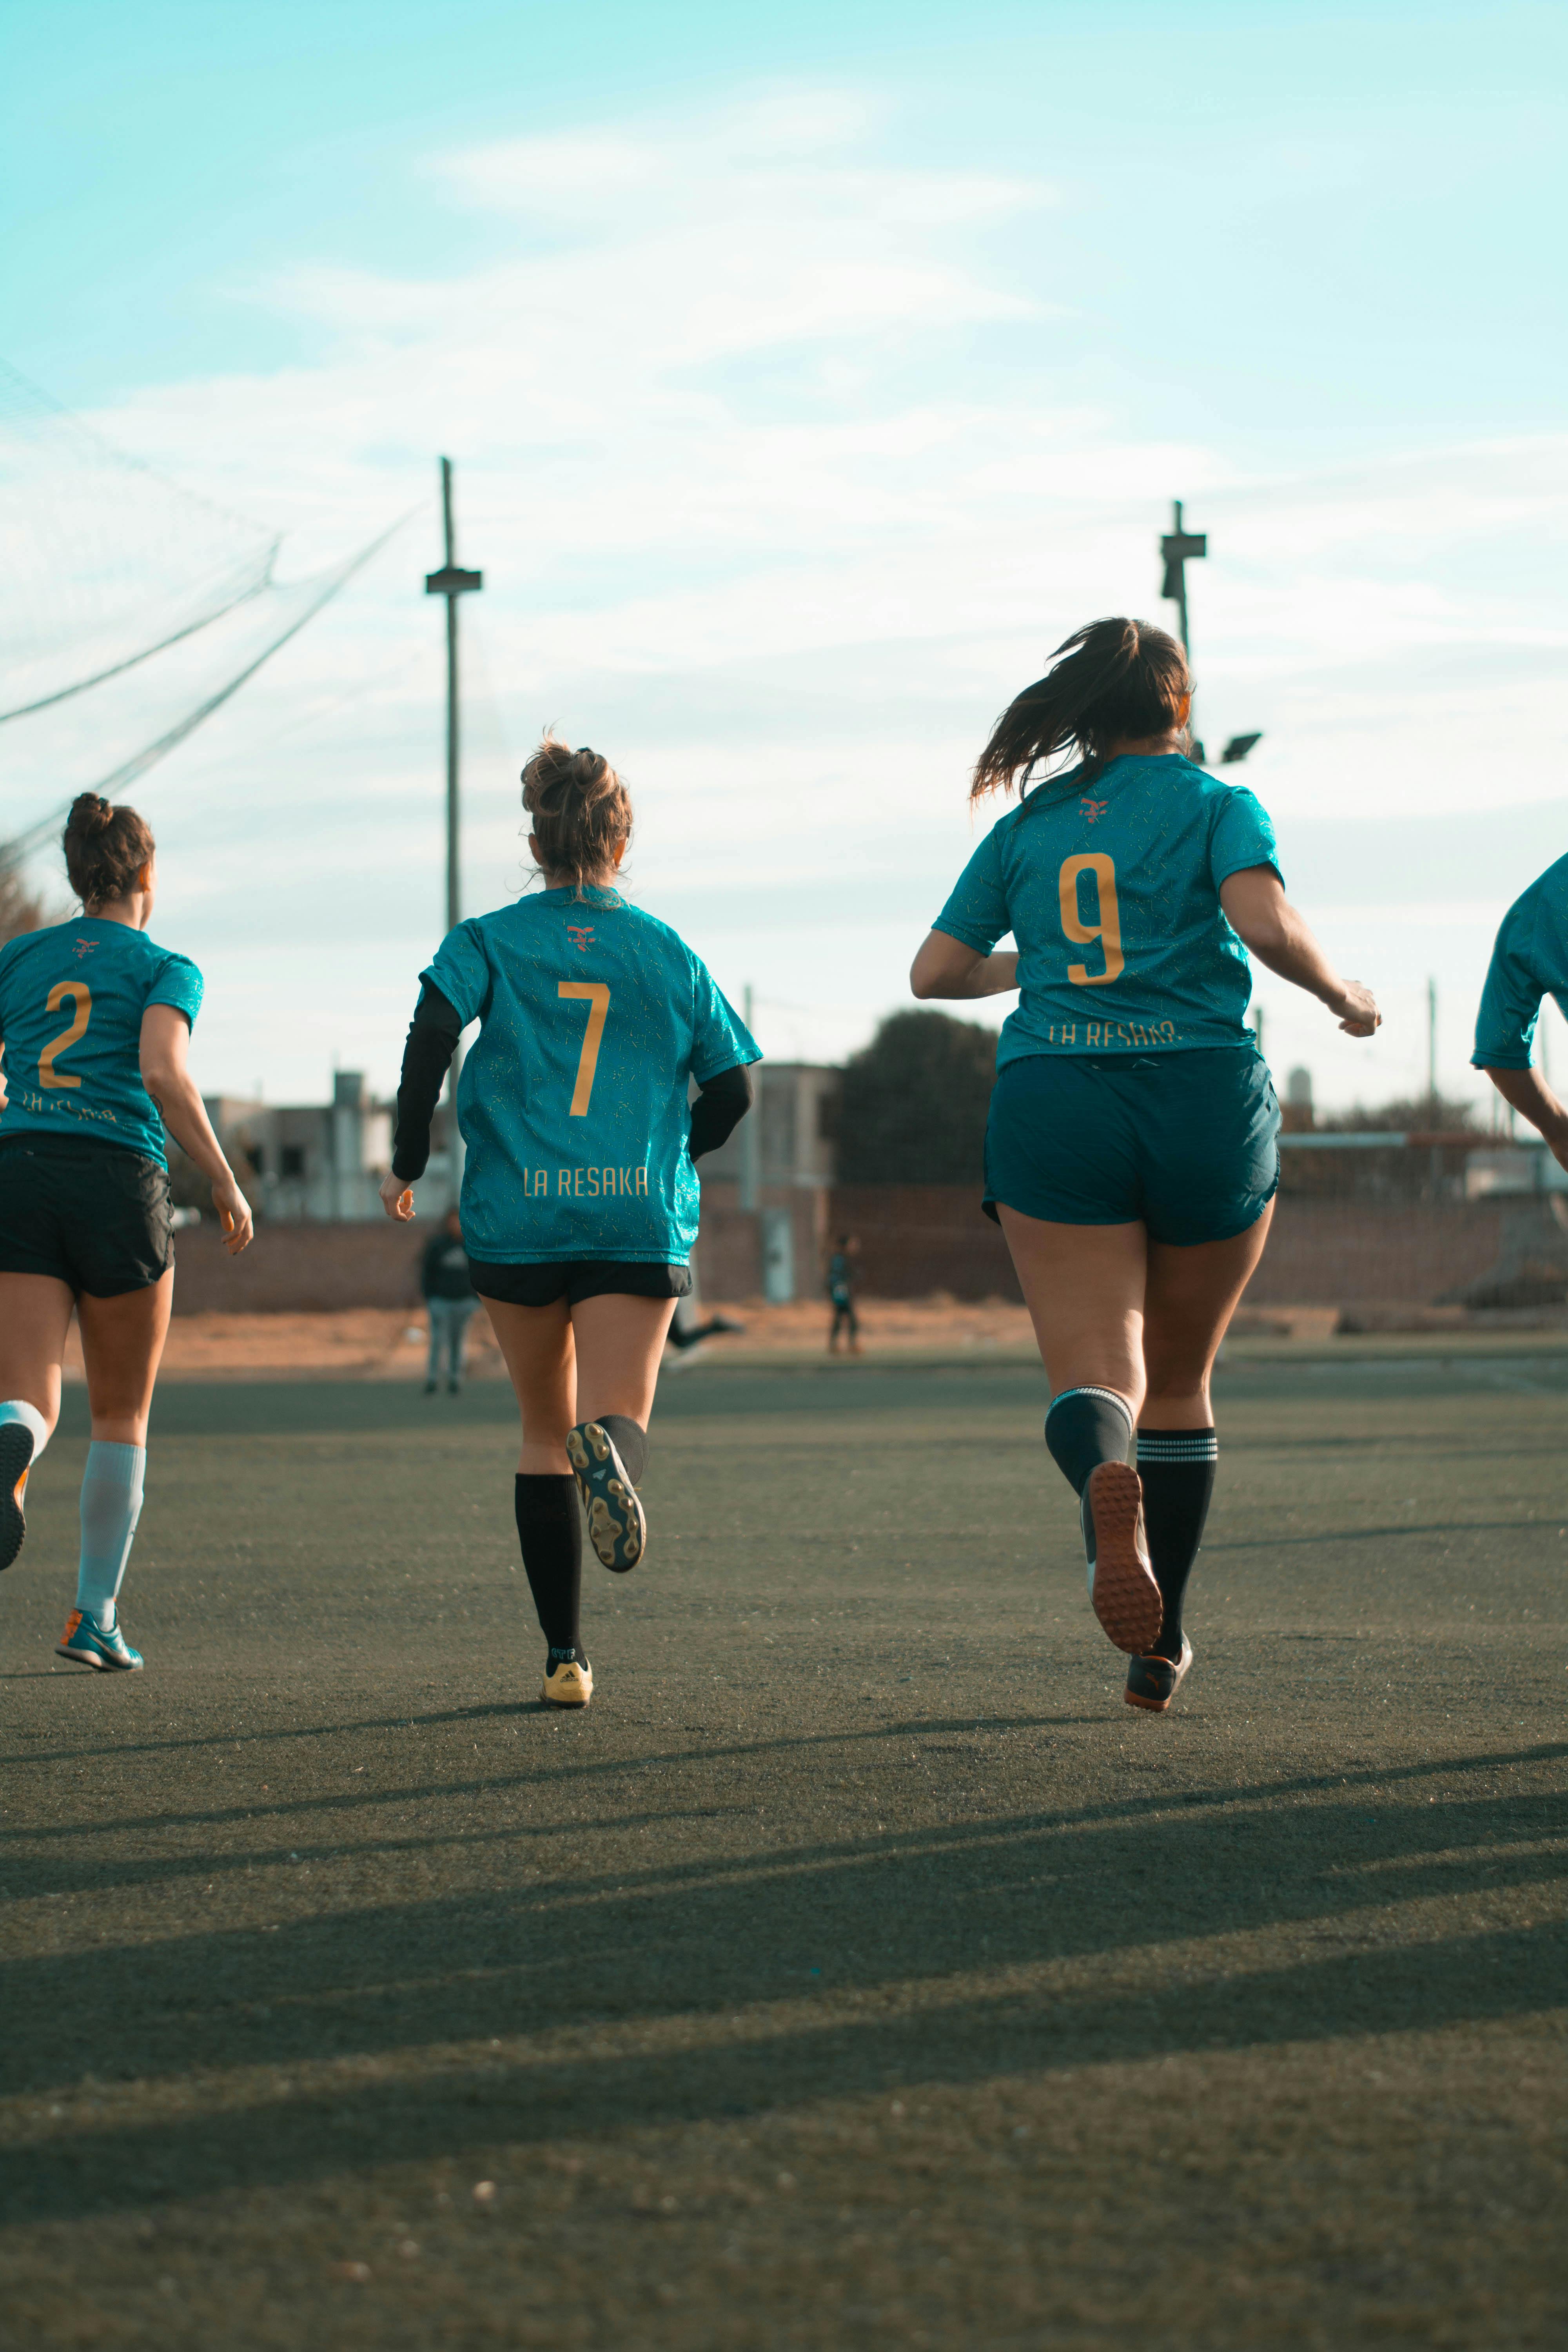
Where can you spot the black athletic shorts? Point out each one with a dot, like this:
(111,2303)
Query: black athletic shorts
(92,1214)
(544,1281)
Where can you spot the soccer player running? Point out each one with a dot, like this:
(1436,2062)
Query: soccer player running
(1131,1154)
(580,1199)
(1529,961)
(95,1022)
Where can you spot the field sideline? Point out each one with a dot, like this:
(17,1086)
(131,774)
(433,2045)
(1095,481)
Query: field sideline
(859,1970)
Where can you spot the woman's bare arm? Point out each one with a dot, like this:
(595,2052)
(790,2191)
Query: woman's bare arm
(946,967)
(1527,1091)
(1271,930)
(165,1050)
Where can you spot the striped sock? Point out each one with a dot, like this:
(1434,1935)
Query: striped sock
(110,1506)
(1176,1468)
(1085,1427)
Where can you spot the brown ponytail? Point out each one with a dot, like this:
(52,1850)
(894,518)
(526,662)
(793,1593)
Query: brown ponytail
(105,848)
(1116,681)
(580,810)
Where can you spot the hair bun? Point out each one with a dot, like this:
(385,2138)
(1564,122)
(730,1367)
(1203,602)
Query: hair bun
(89,813)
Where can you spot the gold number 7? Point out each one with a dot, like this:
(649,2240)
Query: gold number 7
(81,1007)
(598,996)
(1107,930)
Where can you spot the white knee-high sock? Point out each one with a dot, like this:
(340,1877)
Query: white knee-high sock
(18,1409)
(110,1506)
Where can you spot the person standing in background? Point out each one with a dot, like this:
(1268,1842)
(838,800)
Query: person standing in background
(449,1300)
(841,1294)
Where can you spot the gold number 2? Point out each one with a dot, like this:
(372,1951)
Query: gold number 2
(598,996)
(1107,930)
(81,998)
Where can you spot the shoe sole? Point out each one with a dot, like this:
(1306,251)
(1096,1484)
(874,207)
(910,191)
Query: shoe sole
(1124,1595)
(617,1524)
(16,1461)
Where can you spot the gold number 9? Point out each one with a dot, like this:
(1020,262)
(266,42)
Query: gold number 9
(1107,930)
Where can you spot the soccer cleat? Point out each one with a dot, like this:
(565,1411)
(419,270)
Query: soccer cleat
(571,1683)
(617,1526)
(1121,1581)
(105,1653)
(16,1461)
(1154,1681)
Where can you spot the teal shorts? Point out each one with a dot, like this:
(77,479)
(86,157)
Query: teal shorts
(1187,1143)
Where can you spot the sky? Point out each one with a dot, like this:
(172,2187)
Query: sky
(809,373)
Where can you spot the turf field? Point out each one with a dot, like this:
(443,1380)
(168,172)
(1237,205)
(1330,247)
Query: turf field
(859,1970)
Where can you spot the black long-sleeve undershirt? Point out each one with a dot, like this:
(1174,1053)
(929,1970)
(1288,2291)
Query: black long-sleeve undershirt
(433,1035)
(722,1103)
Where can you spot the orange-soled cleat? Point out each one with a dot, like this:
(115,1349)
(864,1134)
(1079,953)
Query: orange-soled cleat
(1120,1580)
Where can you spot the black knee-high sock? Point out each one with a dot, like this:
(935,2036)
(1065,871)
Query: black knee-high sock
(550,1529)
(1085,1427)
(629,1439)
(1176,1468)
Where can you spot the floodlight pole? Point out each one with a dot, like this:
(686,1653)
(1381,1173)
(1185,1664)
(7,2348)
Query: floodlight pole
(1181,547)
(452,581)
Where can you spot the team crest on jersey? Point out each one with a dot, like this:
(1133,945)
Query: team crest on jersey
(81,949)
(1093,810)
(581,936)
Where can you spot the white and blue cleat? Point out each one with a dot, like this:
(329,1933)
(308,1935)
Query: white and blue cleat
(86,1646)
(617,1526)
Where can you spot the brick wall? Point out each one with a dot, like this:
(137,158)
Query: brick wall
(914,1239)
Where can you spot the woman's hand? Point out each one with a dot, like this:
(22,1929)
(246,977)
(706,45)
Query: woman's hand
(234,1215)
(1357,1009)
(397,1199)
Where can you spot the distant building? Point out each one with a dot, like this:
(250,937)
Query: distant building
(321,1163)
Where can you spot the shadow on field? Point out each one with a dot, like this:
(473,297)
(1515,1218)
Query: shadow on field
(669,1954)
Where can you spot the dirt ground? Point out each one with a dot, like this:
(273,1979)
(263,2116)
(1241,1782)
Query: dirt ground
(859,1970)
(376,1343)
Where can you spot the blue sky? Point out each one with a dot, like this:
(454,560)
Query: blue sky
(810,372)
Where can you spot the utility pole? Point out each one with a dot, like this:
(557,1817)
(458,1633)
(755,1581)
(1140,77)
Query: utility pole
(1179,548)
(1432,1048)
(451,581)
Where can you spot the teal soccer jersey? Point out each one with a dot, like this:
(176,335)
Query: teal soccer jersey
(572,1101)
(1529,961)
(71,1001)
(1111,893)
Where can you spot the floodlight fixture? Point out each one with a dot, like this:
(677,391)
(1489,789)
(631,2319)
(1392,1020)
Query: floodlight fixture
(1238,747)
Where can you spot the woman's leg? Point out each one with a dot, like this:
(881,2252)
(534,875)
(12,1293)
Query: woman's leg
(536,1344)
(537,1347)
(1084,1288)
(434,1319)
(122,1346)
(35,1317)
(1189,1300)
(1192,1294)
(619,1342)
